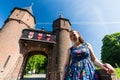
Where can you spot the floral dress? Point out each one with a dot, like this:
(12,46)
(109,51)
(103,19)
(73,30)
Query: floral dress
(81,66)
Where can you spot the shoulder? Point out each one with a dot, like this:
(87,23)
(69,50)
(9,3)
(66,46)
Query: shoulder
(89,45)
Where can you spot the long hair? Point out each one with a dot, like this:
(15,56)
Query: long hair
(81,40)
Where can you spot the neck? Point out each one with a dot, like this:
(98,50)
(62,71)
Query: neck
(77,44)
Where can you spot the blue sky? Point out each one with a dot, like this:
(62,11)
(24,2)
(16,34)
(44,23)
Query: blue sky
(92,18)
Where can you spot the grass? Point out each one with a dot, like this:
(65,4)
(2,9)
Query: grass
(117,72)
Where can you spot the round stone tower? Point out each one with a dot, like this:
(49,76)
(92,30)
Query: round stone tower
(61,27)
(10,55)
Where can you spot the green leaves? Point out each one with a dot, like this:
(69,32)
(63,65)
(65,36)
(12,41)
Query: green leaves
(37,63)
(111,49)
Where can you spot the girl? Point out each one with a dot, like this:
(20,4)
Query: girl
(81,66)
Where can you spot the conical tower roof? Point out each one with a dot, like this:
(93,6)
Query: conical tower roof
(29,8)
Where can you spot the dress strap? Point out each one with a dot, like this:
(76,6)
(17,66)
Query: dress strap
(84,44)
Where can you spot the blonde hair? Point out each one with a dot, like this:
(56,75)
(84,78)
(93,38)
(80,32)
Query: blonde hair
(81,40)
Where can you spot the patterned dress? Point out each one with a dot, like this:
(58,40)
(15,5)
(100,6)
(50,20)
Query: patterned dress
(81,66)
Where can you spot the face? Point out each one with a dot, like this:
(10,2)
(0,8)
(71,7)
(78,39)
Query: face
(74,36)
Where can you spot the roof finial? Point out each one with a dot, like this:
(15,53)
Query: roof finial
(32,4)
(29,8)
(61,16)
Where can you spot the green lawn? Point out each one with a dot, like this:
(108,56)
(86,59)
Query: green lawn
(117,72)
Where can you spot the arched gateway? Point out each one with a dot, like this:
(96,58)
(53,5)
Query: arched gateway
(19,40)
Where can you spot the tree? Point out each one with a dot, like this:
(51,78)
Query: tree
(37,63)
(111,49)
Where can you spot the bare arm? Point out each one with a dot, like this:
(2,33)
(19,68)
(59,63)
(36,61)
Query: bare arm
(105,66)
(93,57)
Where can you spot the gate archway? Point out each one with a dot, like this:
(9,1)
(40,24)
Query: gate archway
(31,46)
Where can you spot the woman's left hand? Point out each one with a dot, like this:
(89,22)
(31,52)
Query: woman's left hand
(108,68)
